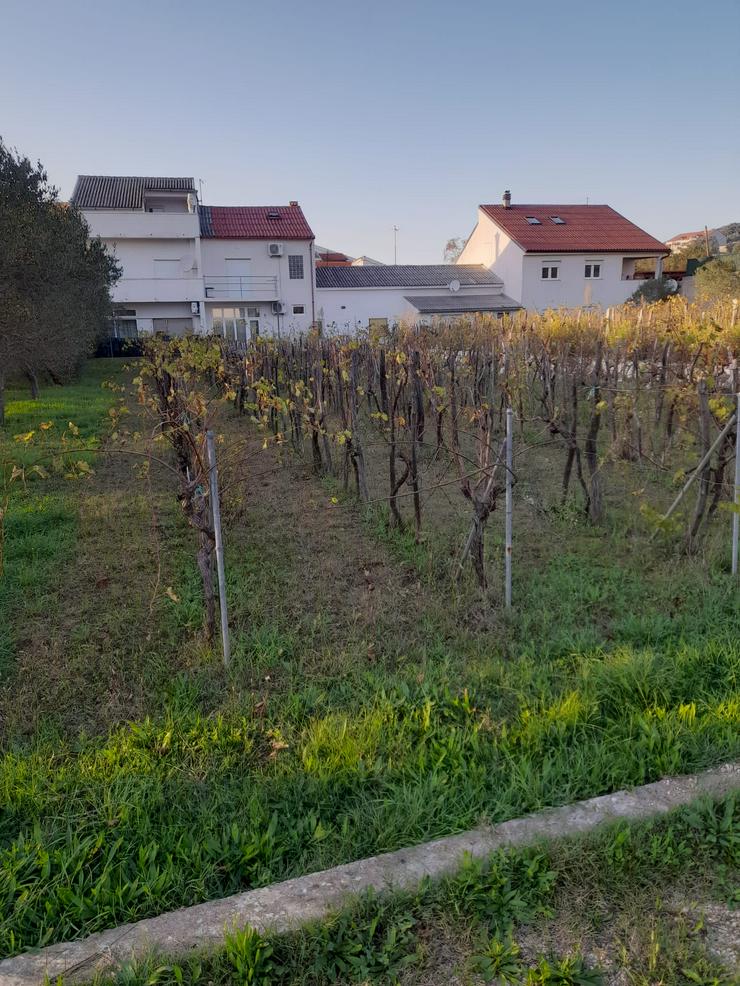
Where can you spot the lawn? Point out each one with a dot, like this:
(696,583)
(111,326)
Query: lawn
(371,702)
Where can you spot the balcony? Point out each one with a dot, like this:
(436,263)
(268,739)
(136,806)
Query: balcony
(117,224)
(244,287)
(140,289)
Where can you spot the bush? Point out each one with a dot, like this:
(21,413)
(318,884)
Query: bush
(652,290)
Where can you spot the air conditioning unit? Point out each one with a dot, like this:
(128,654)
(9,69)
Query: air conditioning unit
(275,249)
(278,308)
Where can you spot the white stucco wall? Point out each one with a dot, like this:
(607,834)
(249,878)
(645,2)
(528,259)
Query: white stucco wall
(348,310)
(260,265)
(492,247)
(572,289)
(112,224)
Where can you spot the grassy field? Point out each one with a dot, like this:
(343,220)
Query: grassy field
(371,703)
(647,903)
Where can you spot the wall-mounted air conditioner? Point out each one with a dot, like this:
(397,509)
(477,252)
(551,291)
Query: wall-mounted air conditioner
(278,308)
(275,249)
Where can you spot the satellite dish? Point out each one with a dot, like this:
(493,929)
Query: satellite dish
(454,286)
(671,285)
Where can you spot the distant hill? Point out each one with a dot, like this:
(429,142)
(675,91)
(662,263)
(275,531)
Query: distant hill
(731,232)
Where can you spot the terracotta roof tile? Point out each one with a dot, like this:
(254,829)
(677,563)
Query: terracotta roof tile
(254,222)
(586,229)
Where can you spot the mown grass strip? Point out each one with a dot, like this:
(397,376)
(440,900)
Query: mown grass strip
(189,808)
(376,938)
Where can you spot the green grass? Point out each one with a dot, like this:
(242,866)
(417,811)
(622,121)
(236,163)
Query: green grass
(41,523)
(184,808)
(351,721)
(479,913)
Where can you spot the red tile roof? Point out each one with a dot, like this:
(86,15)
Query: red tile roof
(686,236)
(587,229)
(254,222)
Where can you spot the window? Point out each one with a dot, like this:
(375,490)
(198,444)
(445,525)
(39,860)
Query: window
(557,220)
(125,328)
(550,273)
(533,220)
(173,326)
(231,323)
(299,309)
(592,271)
(253,312)
(295,266)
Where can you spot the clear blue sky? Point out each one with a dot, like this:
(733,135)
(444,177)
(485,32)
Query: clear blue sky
(380,112)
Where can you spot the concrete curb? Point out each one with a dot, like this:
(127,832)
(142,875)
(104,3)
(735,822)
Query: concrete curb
(283,906)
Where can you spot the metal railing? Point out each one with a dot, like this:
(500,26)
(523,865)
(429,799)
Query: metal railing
(243,287)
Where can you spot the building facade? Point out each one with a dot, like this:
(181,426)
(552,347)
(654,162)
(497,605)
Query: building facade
(237,271)
(553,256)
(354,298)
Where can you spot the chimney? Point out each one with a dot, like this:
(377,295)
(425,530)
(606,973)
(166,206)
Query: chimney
(507,199)
(293,202)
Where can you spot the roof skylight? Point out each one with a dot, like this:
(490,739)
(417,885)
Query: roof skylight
(533,220)
(558,220)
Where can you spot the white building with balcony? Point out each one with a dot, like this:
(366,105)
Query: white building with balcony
(189,268)
(561,256)
(258,270)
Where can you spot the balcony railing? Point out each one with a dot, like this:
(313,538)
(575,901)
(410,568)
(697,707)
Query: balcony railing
(119,224)
(241,287)
(132,289)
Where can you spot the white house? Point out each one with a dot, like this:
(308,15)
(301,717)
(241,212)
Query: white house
(361,297)
(258,269)
(553,256)
(191,268)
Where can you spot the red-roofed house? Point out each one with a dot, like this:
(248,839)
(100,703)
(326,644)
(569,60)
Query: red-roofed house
(258,270)
(234,270)
(553,256)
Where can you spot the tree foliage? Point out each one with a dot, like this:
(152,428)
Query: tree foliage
(453,248)
(719,278)
(652,290)
(54,279)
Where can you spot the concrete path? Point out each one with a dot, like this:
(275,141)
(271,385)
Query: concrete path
(286,905)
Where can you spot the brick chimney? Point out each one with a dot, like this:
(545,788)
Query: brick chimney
(507,199)
(293,202)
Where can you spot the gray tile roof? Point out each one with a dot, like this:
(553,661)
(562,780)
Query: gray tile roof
(122,192)
(404,276)
(458,304)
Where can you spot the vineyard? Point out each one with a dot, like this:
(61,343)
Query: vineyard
(378,690)
(607,414)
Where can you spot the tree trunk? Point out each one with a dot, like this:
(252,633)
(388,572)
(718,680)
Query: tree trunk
(205,566)
(33,381)
(2,399)
(705,419)
(358,456)
(595,504)
(388,408)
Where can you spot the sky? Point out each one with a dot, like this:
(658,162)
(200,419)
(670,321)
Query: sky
(387,113)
